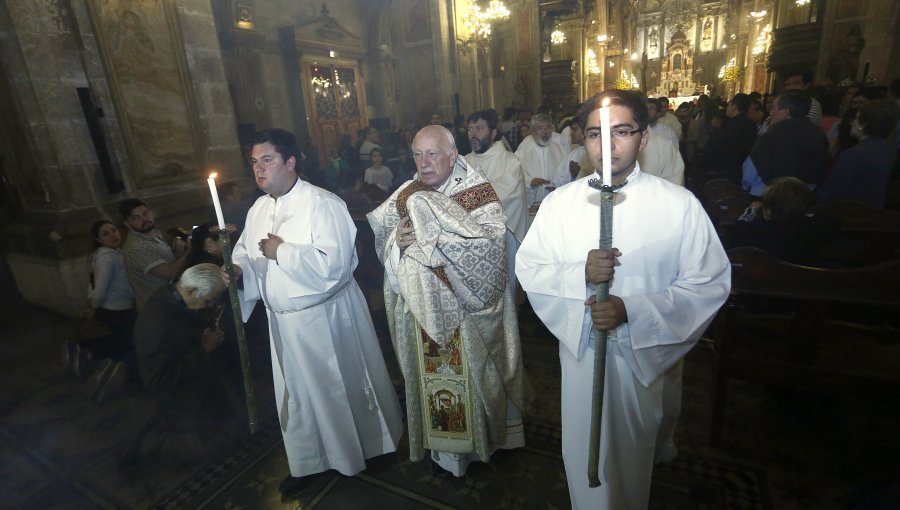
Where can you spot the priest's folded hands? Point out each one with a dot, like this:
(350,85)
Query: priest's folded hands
(405,234)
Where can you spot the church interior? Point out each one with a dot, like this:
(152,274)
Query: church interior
(792,406)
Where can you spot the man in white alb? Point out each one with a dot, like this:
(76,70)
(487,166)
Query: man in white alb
(335,400)
(668,275)
(661,156)
(504,171)
(540,158)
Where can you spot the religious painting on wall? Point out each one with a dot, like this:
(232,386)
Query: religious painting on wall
(706,34)
(653,43)
(418,21)
(144,55)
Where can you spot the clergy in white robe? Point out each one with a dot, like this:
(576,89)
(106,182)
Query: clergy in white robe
(336,404)
(575,165)
(668,118)
(668,276)
(661,156)
(540,157)
(441,238)
(504,171)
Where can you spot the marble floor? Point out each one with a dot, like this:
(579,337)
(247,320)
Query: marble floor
(59,449)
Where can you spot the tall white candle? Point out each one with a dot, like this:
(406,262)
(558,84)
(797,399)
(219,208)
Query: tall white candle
(215,196)
(606,143)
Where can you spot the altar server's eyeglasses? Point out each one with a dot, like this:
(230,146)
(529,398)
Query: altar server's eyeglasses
(595,135)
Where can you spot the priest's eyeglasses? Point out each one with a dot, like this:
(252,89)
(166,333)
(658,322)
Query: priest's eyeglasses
(431,155)
(595,135)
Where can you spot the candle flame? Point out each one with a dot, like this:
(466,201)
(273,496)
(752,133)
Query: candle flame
(213,175)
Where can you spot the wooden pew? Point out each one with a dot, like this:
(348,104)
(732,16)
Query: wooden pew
(806,328)
(720,187)
(867,235)
(726,210)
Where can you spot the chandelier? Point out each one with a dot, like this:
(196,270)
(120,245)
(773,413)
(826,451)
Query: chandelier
(762,41)
(478,22)
(557,37)
(478,27)
(496,11)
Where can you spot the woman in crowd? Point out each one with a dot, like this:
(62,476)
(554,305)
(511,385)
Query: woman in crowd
(379,174)
(861,173)
(111,300)
(839,137)
(205,246)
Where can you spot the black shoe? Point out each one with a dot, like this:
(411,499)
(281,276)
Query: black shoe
(292,485)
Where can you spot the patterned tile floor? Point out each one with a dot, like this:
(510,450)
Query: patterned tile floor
(58,449)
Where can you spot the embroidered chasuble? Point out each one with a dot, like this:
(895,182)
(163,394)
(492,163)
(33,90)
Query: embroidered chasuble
(450,313)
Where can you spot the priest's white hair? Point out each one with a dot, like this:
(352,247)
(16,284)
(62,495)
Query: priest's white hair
(451,141)
(206,278)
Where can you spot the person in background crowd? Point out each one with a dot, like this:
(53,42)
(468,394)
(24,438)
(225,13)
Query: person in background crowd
(524,132)
(724,155)
(206,247)
(577,164)
(540,158)
(783,228)
(667,118)
(371,141)
(108,359)
(461,134)
(378,174)
(178,349)
(335,169)
(660,156)
(690,133)
(830,108)
(862,172)
(839,137)
(800,78)
(793,146)
(510,129)
(150,261)
(504,171)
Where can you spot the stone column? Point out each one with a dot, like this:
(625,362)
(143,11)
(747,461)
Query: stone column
(49,51)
